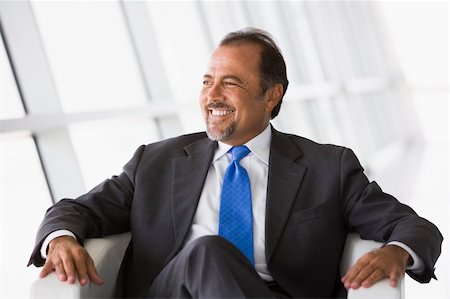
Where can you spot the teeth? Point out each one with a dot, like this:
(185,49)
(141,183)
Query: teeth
(220,112)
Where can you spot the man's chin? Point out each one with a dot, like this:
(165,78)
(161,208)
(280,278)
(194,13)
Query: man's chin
(215,136)
(219,135)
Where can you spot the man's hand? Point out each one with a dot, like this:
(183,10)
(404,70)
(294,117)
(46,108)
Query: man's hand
(389,261)
(70,260)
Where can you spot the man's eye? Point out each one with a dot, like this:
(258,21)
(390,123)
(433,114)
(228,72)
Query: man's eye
(206,82)
(227,83)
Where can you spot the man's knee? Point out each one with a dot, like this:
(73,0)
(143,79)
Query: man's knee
(209,267)
(208,244)
(214,250)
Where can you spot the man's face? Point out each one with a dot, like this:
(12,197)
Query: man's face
(234,109)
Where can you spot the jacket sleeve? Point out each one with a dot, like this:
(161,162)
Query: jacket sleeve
(104,210)
(379,216)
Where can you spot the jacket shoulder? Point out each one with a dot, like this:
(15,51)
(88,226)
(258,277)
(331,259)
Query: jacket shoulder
(178,142)
(308,146)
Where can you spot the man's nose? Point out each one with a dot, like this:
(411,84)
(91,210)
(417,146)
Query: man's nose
(215,92)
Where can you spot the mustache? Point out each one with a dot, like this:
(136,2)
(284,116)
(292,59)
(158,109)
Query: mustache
(219,105)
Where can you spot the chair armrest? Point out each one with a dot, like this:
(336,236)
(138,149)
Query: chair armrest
(355,247)
(107,254)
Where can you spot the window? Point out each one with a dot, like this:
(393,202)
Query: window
(24,198)
(90,54)
(10,102)
(103,147)
(183,47)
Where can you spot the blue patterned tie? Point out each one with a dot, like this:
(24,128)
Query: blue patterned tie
(235,222)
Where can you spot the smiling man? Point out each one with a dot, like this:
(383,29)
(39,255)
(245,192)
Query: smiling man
(241,211)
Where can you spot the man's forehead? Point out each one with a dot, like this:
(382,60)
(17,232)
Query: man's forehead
(219,60)
(235,57)
(238,49)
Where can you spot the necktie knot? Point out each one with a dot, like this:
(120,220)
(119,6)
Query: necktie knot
(239,152)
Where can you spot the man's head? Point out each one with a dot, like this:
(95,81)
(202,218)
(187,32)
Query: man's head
(271,63)
(243,86)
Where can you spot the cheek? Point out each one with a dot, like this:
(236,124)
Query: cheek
(257,107)
(202,99)
(202,103)
(250,113)
(201,96)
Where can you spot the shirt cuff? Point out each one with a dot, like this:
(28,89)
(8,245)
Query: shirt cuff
(52,236)
(417,264)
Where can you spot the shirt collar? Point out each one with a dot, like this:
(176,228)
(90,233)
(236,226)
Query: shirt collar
(259,146)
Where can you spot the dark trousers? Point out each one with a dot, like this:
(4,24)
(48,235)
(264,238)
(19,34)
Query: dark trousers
(211,267)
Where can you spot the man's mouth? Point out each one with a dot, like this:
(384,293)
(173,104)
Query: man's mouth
(220,112)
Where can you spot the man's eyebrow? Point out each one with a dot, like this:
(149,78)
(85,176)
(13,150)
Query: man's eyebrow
(233,77)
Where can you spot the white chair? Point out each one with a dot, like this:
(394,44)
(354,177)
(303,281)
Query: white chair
(108,252)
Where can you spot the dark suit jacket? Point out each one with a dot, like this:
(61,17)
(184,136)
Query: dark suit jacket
(316,194)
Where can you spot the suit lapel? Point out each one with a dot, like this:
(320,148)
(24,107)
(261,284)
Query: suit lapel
(189,174)
(285,178)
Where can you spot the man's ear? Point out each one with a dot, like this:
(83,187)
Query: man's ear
(274,95)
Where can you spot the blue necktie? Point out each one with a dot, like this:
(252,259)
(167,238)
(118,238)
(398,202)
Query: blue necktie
(236,221)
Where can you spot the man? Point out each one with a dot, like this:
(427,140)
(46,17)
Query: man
(304,198)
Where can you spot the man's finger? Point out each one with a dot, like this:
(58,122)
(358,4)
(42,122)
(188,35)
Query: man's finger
(69,268)
(393,279)
(80,257)
(362,276)
(60,272)
(350,280)
(92,272)
(373,278)
(46,270)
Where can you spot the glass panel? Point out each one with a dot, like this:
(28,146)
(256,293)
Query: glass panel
(318,26)
(103,147)
(271,16)
(345,122)
(184,45)
(359,18)
(224,17)
(300,117)
(329,34)
(10,103)
(24,198)
(349,34)
(185,51)
(90,54)
(169,126)
(377,120)
(360,120)
(304,41)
